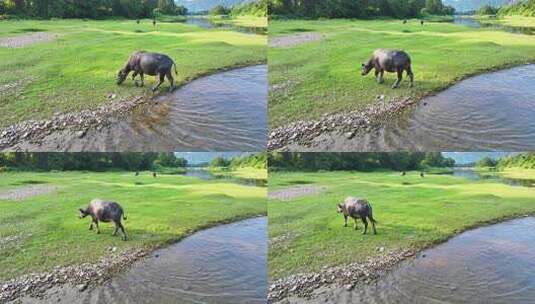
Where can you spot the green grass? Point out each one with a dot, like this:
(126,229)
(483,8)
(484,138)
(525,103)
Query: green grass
(252,21)
(520,21)
(306,233)
(324,76)
(78,70)
(159,210)
(240,172)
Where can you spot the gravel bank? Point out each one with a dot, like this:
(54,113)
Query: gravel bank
(301,287)
(303,133)
(78,123)
(82,276)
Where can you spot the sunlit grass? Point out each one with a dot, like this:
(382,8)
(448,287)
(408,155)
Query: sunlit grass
(77,71)
(306,233)
(324,76)
(46,232)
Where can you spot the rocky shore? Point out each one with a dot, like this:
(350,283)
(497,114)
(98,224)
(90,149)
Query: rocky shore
(82,276)
(78,123)
(348,276)
(348,124)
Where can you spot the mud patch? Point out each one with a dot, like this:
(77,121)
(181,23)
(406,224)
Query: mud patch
(290,193)
(26,40)
(19,194)
(293,40)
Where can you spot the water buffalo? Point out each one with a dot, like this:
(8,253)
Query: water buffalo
(153,174)
(154,64)
(357,208)
(104,211)
(137,173)
(421,174)
(403,173)
(391,61)
(421,22)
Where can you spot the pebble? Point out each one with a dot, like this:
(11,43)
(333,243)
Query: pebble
(81,287)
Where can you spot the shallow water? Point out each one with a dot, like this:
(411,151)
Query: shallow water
(488,112)
(207,175)
(206,23)
(226,111)
(493,264)
(225,264)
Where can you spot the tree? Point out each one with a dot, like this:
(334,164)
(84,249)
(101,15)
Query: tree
(219,10)
(219,162)
(486,162)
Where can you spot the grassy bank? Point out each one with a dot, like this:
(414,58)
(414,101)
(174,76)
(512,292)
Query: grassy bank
(519,21)
(306,233)
(241,172)
(251,21)
(310,79)
(77,71)
(41,232)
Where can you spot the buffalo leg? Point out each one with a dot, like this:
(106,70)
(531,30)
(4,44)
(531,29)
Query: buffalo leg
(171,81)
(411,76)
(91,225)
(400,76)
(96,224)
(355,225)
(373,224)
(142,76)
(134,78)
(161,80)
(365,224)
(377,76)
(345,220)
(381,73)
(116,229)
(122,229)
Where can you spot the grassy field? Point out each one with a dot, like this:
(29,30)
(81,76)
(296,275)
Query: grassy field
(41,232)
(319,77)
(306,233)
(77,71)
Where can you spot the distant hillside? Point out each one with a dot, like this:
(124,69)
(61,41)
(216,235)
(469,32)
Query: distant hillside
(205,5)
(472,5)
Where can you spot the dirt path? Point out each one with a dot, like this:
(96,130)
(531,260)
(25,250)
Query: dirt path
(26,40)
(293,192)
(22,193)
(293,40)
